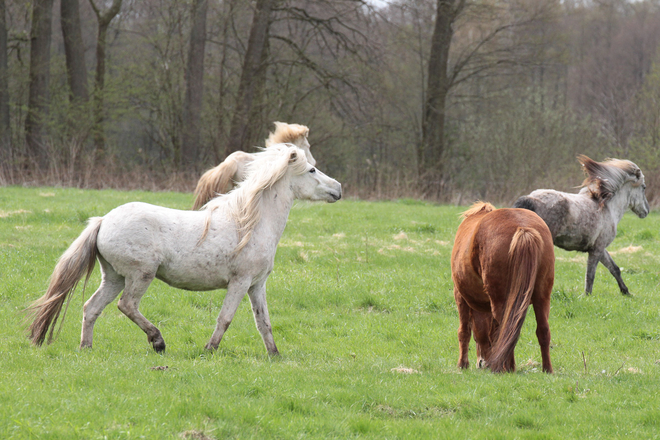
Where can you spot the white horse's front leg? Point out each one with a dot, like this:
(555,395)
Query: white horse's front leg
(257,295)
(235,292)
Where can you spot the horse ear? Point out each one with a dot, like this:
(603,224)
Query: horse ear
(293,156)
(634,175)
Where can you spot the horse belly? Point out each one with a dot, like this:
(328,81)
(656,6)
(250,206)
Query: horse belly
(198,278)
(574,242)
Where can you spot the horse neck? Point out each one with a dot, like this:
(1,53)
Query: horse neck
(618,204)
(276,202)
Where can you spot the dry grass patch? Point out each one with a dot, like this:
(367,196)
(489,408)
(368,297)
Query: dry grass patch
(404,370)
(5,214)
(627,250)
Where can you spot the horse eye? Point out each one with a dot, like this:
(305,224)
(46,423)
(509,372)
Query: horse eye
(313,170)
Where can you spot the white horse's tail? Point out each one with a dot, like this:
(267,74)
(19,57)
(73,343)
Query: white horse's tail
(77,261)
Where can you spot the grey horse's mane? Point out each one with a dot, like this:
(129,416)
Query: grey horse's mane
(604,179)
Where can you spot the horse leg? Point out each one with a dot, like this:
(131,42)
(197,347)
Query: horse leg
(464,331)
(136,286)
(257,294)
(481,325)
(111,284)
(609,263)
(541,305)
(235,292)
(592,263)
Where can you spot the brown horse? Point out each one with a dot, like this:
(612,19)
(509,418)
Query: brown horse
(503,260)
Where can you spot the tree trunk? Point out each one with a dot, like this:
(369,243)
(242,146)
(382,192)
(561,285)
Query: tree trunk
(190,148)
(433,124)
(74,50)
(5,133)
(104,19)
(221,137)
(248,100)
(35,123)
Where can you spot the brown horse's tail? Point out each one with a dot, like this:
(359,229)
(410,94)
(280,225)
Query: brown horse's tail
(77,261)
(215,181)
(524,255)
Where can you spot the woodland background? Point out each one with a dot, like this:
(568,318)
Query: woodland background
(447,100)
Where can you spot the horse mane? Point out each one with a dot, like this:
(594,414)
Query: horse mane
(287,134)
(244,202)
(476,208)
(604,179)
(217,180)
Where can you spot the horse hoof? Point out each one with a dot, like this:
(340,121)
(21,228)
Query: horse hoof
(158,344)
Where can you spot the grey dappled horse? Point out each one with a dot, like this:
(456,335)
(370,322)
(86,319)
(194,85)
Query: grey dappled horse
(587,221)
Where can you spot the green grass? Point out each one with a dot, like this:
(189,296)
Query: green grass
(363,313)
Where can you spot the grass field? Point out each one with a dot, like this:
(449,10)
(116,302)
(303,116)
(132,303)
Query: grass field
(363,313)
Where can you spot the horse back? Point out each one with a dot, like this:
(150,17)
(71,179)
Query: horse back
(480,259)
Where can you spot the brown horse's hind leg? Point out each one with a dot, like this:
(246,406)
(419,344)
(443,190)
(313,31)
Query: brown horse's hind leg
(481,325)
(542,312)
(464,332)
(498,309)
(136,286)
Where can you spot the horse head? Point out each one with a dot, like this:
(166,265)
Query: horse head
(637,201)
(295,134)
(311,184)
(606,179)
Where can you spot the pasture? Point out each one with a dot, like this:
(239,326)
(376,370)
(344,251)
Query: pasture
(363,314)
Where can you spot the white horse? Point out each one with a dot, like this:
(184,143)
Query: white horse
(230,244)
(587,221)
(223,177)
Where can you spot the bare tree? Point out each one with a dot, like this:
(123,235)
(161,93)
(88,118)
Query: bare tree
(40,38)
(253,76)
(74,50)
(104,19)
(192,106)
(438,84)
(492,44)
(221,136)
(5,134)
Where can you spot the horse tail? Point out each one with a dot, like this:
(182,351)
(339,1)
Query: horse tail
(79,259)
(525,202)
(524,256)
(215,181)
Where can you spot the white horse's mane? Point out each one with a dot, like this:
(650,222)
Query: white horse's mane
(286,133)
(244,202)
(604,179)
